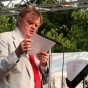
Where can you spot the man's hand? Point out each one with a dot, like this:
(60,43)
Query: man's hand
(43,58)
(23,47)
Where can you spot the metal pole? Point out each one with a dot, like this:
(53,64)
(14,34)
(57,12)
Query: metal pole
(62,86)
(84,86)
(50,61)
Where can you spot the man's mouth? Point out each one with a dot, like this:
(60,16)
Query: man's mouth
(32,31)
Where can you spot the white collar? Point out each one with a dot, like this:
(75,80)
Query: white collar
(19,34)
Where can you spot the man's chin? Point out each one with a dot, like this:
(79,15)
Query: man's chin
(28,36)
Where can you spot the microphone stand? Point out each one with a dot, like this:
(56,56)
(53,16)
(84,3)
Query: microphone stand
(51,59)
(62,68)
(50,63)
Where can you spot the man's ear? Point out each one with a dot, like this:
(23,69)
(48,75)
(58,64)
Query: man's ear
(19,20)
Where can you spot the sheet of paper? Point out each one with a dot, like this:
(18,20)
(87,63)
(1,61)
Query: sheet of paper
(75,67)
(40,43)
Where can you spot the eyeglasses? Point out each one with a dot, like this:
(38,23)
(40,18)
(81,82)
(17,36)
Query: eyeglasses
(30,22)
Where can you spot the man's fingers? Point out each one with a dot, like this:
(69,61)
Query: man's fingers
(25,46)
(27,40)
(43,53)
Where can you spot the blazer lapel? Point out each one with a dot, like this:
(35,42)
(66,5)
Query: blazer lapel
(27,64)
(16,42)
(15,37)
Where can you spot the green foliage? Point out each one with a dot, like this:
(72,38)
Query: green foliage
(79,30)
(6,23)
(67,27)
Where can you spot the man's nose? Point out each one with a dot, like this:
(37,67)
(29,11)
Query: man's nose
(33,26)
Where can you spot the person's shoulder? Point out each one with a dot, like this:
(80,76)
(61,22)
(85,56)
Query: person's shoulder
(6,34)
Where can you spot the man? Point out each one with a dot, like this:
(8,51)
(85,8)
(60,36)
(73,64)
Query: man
(16,70)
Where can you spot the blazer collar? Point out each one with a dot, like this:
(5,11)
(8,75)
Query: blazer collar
(16,39)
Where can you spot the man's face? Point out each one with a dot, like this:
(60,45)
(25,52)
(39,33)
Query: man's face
(28,25)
